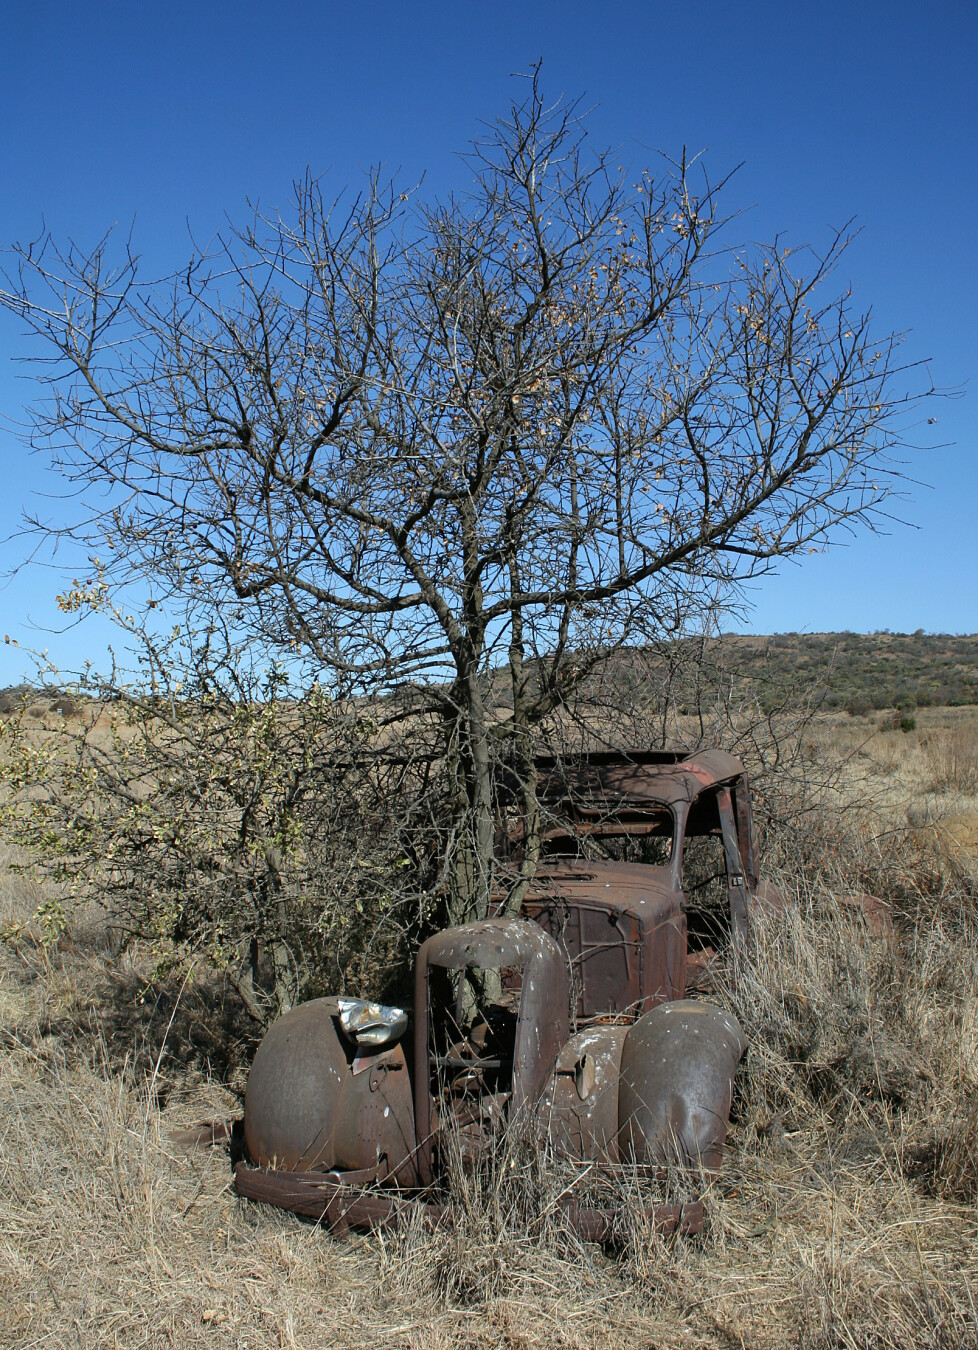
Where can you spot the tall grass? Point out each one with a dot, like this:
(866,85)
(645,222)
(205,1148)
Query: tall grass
(953,756)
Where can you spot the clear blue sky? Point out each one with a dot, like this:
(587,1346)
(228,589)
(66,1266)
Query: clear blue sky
(167,114)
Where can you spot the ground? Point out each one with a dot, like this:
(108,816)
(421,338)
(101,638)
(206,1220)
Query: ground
(845,1214)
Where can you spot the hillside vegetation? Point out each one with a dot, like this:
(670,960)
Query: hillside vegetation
(854,672)
(858,671)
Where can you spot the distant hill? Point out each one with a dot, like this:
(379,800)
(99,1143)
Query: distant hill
(857,671)
(860,672)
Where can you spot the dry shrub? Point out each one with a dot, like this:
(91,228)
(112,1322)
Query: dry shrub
(953,758)
(856,1053)
(809,1001)
(110,1236)
(504,1225)
(863,1034)
(19,895)
(224,820)
(842,1020)
(908,857)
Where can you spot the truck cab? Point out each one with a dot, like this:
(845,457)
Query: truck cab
(647,874)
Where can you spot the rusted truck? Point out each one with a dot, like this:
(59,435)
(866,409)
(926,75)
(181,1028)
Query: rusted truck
(570,1019)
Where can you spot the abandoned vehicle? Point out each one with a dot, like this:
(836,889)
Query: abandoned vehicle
(571,1016)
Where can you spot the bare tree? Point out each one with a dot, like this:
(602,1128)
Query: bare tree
(462,451)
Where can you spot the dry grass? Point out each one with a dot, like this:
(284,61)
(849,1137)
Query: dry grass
(845,1214)
(935,764)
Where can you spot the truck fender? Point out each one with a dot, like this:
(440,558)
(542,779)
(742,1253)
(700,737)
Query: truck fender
(580,1107)
(316,1103)
(677,1071)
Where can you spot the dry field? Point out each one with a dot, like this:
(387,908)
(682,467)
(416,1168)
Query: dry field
(846,1214)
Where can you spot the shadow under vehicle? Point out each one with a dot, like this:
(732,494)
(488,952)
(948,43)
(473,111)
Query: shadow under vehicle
(570,1019)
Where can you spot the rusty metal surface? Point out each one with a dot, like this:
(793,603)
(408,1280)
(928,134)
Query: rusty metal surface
(374,1120)
(293,1088)
(736,882)
(664,776)
(621,929)
(746,832)
(605,1225)
(542,1020)
(874,915)
(677,1071)
(705,970)
(580,1107)
(769,897)
(489,944)
(648,959)
(206,1134)
(324,1196)
(308,1108)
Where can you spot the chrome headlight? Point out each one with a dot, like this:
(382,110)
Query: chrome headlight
(371,1023)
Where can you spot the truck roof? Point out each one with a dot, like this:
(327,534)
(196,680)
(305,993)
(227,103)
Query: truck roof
(634,776)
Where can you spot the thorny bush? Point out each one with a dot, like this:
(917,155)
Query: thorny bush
(224,818)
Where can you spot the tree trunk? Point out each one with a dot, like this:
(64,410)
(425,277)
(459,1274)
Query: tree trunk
(469,741)
(242,980)
(476,830)
(523,754)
